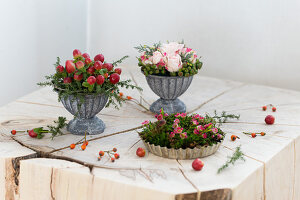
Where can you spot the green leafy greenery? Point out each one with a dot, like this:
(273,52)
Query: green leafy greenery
(223,118)
(82,88)
(188,68)
(54,130)
(237,155)
(182,131)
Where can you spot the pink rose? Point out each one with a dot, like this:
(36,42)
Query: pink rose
(174,63)
(172,48)
(157,57)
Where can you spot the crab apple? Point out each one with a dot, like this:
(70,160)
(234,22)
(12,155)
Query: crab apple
(67,80)
(91,80)
(88,61)
(140,152)
(99,57)
(60,69)
(100,79)
(76,53)
(197,164)
(108,66)
(91,70)
(118,71)
(270,119)
(114,78)
(98,65)
(78,77)
(32,134)
(79,64)
(70,66)
(85,55)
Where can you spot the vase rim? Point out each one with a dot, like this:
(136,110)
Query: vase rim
(174,77)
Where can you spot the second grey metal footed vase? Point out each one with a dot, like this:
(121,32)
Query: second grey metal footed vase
(168,88)
(85,120)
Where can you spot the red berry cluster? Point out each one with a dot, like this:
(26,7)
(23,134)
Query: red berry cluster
(88,72)
(255,134)
(111,153)
(264,108)
(84,144)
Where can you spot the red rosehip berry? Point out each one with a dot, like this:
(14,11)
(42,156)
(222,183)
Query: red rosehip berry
(86,143)
(79,64)
(99,158)
(88,61)
(112,159)
(91,80)
(197,164)
(140,152)
(90,70)
(108,66)
(32,134)
(100,79)
(233,137)
(114,149)
(72,146)
(83,147)
(67,80)
(60,69)
(85,55)
(13,132)
(99,57)
(262,133)
(129,97)
(274,109)
(76,53)
(118,71)
(253,135)
(270,119)
(78,77)
(70,66)
(106,75)
(264,108)
(98,65)
(101,153)
(114,78)
(117,156)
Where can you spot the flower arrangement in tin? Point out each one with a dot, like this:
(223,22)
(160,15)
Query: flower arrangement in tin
(181,130)
(168,59)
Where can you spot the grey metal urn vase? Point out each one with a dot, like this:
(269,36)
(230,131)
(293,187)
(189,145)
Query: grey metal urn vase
(168,88)
(85,120)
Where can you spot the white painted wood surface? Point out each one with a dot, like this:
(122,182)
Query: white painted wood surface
(30,170)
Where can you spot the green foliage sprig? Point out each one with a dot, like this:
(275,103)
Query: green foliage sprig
(54,130)
(223,118)
(237,155)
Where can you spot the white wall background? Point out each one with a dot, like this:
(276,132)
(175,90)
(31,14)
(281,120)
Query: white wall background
(251,40)
(32,34)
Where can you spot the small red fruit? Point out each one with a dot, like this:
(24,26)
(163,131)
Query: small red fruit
(86,143)
(79,64)
(118,71)
(112,159)
(72,146)
(253,135)
(106,75)
(13,132)
(121,94)
(83,147)
(32,134)
(91,70)
(101,153)
(78,77)
(114,78)
(67,80)
(234,137)
(197,164)
(262,133)
(70,66)
(60,69)
(264,108)
(129,97)
(85,55)
(108,66)
(98,65)
(100,79)
(91,80)
(274,109)
(76,53)
(270,119)
(114,149)
(140,152)
(99,57)
(117,156)
(88,61)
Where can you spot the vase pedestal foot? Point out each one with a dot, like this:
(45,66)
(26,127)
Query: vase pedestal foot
(90,126)
(169,106)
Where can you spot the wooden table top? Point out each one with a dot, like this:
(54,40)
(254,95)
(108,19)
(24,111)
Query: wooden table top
(36,169)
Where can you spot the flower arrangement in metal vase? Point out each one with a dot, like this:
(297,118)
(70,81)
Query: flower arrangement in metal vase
(182,136)
(85,87)
(169,70)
